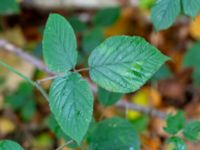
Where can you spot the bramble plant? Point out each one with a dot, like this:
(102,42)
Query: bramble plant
(176,124)
(119,65)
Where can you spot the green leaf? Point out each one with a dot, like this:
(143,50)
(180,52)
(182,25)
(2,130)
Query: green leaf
(9,145)
(176,143)
(123,64)
(192,130)
(163,73)
(114,134)
(191,7)
(164,13)
(191,59)
(22,100)
(175,122)
(140,124)
(28,110)
(92,39)
(77,24)
(59,44)
(9,7)
(106,16)
(108,98)
(18,98)
(71,102)
(56,129)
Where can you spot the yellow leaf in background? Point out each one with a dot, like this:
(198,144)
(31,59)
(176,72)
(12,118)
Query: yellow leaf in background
(194,28)
(140,98)
(144,97)
(6,126)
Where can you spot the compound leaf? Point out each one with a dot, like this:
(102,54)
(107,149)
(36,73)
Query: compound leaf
(192,130)
(9,145)
(123,64)
(164,13)
(114,134)
(176,143)
(71,102)
(175,122)
(59,44)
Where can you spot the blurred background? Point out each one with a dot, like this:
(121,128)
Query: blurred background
(24,114)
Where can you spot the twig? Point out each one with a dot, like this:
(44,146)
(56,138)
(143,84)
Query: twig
(26,79)
(64,145)
(40,65)
(48,78)
(146,110)
(82,69)
(29,58)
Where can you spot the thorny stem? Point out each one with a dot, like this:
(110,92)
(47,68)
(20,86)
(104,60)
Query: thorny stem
(64,145)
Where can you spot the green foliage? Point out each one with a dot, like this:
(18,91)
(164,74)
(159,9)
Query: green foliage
(71,102)
(175,122)
(107,98)
(191,59)
(9,145)
(56,129)
(192,130)
(22,100)
(8,7)
(123,64)
(106,16)
(163,73)
(164,13)
(176,143)
(191,7)
(77,24)
(59,44)
(92,39)
(114,134)
(140,124)
(120,64)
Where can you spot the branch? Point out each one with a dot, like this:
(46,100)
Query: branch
(146,110)
(64,145)
(40,65)
(27,57)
